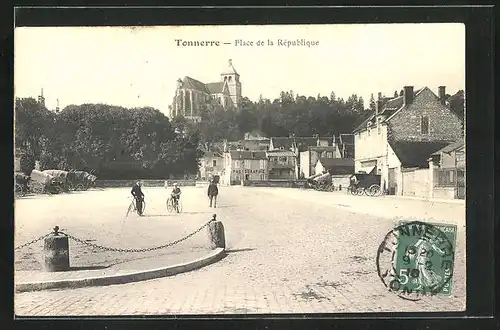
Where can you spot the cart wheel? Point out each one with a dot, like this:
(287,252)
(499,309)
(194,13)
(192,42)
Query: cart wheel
(80,186)
(36,188)
(360,191)
(19,191)
(374,190)
(71,187)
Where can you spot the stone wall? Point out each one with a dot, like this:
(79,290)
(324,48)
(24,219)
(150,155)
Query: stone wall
(444,193)
(146,183)
(276,183)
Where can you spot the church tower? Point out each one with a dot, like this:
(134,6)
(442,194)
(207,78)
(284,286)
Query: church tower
(233,83)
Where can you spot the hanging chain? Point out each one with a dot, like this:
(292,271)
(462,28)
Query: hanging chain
(136,250)
(32,242)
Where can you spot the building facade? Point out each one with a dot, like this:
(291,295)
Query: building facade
(402,133)
(310,157)
(244,165)
(211,164)
(192,94)
(282,164)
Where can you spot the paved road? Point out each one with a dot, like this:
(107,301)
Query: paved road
(289,251)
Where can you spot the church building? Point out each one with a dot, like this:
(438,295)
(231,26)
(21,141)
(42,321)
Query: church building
(191,94)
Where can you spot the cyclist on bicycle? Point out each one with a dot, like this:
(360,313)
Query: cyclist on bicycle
(176,195)
(138,195)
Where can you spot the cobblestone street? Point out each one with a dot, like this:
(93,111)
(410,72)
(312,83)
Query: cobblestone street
(289,251)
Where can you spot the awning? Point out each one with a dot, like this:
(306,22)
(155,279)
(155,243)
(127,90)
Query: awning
(368,170)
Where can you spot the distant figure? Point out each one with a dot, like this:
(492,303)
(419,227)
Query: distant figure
(138,195)
(213,191)
(166,184)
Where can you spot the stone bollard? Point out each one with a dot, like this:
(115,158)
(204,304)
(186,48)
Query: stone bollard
(216,234)
(56,251)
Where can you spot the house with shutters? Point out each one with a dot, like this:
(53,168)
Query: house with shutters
(448,171)
(402,133)
(282,164)
(243,165)
(212,163)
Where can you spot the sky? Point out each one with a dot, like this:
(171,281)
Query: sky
(135,67)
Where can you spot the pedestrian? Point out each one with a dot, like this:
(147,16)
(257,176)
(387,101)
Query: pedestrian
(213,191)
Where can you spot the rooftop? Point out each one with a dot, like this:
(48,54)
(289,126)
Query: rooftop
(451,147)
(416,154)
(237,154)
(334,162)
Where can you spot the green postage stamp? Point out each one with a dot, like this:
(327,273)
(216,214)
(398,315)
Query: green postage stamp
(416,259)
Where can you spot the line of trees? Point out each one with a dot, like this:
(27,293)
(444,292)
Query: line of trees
(290,114)
(121,143)
(116,142)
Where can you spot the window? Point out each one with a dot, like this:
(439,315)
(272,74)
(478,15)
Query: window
(262,164)
(214,163)
(329,154)
(247,163)
(424,125)
(236,164)
(379,128)
(282,159)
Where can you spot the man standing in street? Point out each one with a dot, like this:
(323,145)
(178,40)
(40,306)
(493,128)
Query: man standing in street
(139,196)
(213,191)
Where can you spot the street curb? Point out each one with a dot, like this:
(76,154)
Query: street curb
(213,257)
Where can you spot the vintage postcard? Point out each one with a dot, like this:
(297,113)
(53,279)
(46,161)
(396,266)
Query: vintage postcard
(256,169)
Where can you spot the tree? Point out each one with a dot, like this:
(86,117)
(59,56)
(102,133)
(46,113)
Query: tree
(32,122)
(373,104)
(333,97)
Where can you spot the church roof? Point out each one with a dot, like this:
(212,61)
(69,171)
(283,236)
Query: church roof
(229,69)
(191,83)
(215,87)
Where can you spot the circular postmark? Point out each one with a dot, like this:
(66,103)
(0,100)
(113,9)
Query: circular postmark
(415,259)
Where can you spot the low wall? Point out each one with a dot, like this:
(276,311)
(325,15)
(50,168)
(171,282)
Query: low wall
(145,183)
(444,193)
(341,181)
(276,183)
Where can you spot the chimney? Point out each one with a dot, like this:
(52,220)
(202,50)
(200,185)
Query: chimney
(408,95)
(442,94)
(378,107)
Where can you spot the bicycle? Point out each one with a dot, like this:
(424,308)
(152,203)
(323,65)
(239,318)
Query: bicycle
(133,207)
(174,205)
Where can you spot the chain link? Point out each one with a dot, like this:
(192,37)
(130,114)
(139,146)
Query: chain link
(32,242)
(135,250)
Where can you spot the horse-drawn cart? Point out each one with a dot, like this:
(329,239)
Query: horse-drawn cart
(60,178)
(80,180)
(41,182)
(362,183)
(22,182)
(321,182)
